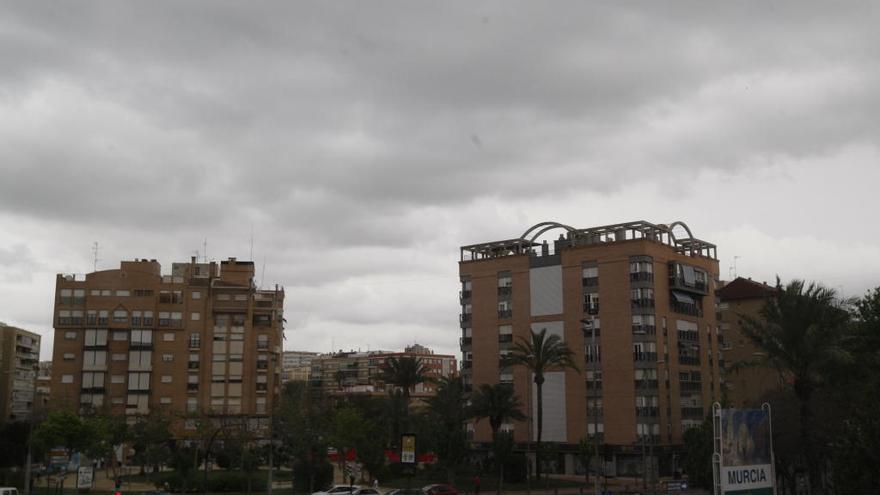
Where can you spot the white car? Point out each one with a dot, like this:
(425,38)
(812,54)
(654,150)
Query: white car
(8,490)
(339,490)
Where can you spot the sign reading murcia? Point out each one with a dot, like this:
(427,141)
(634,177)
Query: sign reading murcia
(746,457)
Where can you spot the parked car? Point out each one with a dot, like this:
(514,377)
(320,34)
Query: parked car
(405,491)
(340,490)
(8,490)
(440,490)
(366,491)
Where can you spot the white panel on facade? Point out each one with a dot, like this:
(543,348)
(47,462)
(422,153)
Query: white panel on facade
(553,328)
(545,290)
(553,393)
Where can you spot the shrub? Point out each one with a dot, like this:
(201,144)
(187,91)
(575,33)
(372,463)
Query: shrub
(322,470)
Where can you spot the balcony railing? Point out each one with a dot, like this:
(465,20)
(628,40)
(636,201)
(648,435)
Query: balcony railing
(644,356)
(590,282)
(464,341)
(464,295)
(644,330)
(689,360)
(650,412)
(505,291)
(505,314)
(643,303)
(685,308)
(646,384)
(591,308)
(641,277)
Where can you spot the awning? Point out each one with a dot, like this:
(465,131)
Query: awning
(682,297)
(690,278)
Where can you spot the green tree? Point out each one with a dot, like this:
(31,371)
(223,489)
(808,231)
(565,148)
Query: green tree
(63,428)
(698,458)
(303,430)
(346,429)
(447,412)
(586,451)
(540,354)
(150,437)
(799,333)
(405,373)
(499,404)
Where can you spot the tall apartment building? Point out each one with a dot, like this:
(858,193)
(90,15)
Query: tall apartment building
(19,358)
(345,373)
(634,302)
(744,387)
(201,340)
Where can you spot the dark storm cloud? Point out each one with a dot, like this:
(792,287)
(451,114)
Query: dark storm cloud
(349,136)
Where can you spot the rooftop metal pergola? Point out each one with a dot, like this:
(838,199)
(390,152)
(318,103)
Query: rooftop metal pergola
(684,243)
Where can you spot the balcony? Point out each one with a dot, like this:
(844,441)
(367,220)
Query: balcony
(648,439)
(505,338)
(464,342)
(642,303)
(505,292)
(689,360)
(464,295)
(504,314)
(591,308)
(192,365)
(686,308)
(102,321)
(645,356)
(644,330)
(641,277)
(688,278)
(466,365)
(646,384)
(692,412)
(590,282)
(647,412)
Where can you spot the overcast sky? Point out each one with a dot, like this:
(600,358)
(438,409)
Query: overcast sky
(363,142)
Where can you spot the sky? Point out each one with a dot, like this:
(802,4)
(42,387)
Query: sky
(357,145)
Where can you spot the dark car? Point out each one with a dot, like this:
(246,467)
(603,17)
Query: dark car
(405,491)
(440,490)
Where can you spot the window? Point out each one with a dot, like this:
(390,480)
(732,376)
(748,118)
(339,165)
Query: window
(591,303)
(143,292)
(137,403)
(119,356)
(122,293)
(641,271)
(196,294)
(195,316)
(262,383)
(92,380)
(167,358)
(643,324)
(68,356)
(139,360)
(193,363)
(164,319)
(64,317)
(170,297)
(176,319)
(106,292)
(138,381)
(241,297)
(95,292)
(148,318)
(218,368)
(195,341)
(233,390)
(96,338)
(166,379)
(103,316)
(262,362)
(590,275)
(262,342)
(219,347)
(120,316)
(645,351)
(70,335)
(642,297)
(505,280)
(141,338)
(505,309)
(165,400)
(593,353)
(218,389)
(192,404)
(117,378)
(94,359)
(223,297)
(120,335)
(261,405)
(66,378)
(235,370)
(168,337)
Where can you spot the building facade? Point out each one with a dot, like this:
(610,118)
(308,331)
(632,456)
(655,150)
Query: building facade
(203,340)
(634,302)
(19,361)
(297,365)
(360,373)
(744,386)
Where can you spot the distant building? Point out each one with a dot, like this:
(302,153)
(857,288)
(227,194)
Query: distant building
(744,386)
(296,365)
(19,357)
(356,372)
(635,302)
(203,339)
(43,389)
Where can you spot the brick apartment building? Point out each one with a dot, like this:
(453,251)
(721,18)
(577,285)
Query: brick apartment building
(201,340)
(19,361)
(360,373)
(635,302)
(744,387)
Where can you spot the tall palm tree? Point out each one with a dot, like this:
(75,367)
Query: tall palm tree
(447,412)
(799,332)
(405,372)
(499,404)
(540,354)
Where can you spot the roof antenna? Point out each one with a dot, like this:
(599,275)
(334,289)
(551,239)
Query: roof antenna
(731,271)
(205,249)
(95,250)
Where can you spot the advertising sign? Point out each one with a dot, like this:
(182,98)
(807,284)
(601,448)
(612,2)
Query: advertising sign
(84,476)
(746,466)
(408,449)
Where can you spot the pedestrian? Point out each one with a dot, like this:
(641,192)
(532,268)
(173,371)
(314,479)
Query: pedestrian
(376,483)
(476,484)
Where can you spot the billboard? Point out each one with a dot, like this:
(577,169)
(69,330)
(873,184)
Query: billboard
(745,464)
(408,449)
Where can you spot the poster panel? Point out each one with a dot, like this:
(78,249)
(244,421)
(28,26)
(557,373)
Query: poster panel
(746,452)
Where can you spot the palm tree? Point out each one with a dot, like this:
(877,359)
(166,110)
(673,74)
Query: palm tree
(447,412)
(799,333)
(499,404)
(405,372)
(540,354)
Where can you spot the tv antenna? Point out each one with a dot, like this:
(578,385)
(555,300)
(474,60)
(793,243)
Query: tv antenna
(731,271)
(95,252)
